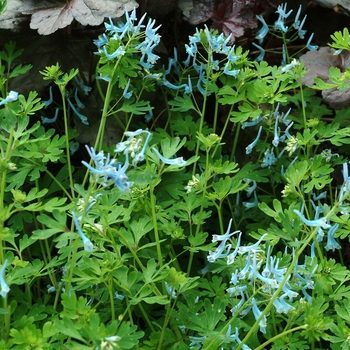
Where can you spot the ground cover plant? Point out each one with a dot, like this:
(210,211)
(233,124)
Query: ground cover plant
(217,220)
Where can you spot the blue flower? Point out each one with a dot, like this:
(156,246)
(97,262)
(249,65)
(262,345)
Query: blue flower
(77,100)
(4,287)
(301,32)
(254,122)
(127,94)
(269,158)
(296,19)
(11,97)
(313,223)
(176,161)
(276,139)
(86,89)
(289,66)
(257,313)
(45,120)
(250,147)
(232,72)
(50,100)
(120,51)
(88,246)
(249,205)
(262,52)
(281,10)
(235,337)
(109,169)
(82,117)
(260,35)
(308,44)
(332,244)
(251,248)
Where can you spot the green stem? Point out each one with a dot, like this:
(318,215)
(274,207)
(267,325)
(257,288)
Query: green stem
(155,225)
(283,334)
(66,132)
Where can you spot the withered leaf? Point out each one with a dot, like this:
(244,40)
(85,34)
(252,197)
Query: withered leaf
(86,12)
(317,64)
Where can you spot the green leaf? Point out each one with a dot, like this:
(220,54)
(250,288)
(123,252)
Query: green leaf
(182,104)
(67,327)
(20,69)
(54,225)
(135,107)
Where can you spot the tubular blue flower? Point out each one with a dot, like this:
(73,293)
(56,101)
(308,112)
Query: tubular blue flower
(169,85)
(235,337)
(251,248)
(262,52)
(260,35)
(46,120)
(188,88)
(176,161)
(332,244)
(101,40)
(279,25)
(231,257)
(50,100)
(281,10)
(289,66)
(231,55)
(127,94)
(269,158)
(252,188)
(170,290)
(226,235)
(312,223)
(120,51)
(88,246)
(254,122)
(250,147)
(139,157)
(107,169)
(308,44)
(82,117)
(322,195)
(296,19)
(276,138)
(151,32)
(77,100)
(247,267)
(148,116)
(74,148)
(11,97)
(257,313)
(282,306)
(219,252)
(289,136)
(232,72)
(4,287)
(86,89)
(307,297)
(301,32)
(249,205)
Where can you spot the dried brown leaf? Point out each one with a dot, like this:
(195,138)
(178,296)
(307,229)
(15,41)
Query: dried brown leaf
(86,12)
(317,64)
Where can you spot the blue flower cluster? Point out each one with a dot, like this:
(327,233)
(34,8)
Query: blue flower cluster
(280,26)
(214,45)
(4,287)
(260,271)
(11,97)
(115,44)
(279,119)
(75,107)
